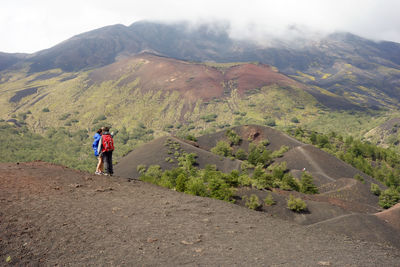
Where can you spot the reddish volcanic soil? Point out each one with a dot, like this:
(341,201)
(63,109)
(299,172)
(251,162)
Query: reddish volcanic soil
(54,216)
(391,216)
(194,81)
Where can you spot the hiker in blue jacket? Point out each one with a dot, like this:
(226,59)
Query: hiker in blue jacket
(95,145)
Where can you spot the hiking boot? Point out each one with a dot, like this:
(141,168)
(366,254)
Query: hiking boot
(98,173)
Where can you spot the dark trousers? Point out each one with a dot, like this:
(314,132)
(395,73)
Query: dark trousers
(107,158)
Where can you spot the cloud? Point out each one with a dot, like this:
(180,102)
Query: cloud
(28,26)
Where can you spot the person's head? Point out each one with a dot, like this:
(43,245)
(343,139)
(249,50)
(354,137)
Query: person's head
(99,131)
(105,129)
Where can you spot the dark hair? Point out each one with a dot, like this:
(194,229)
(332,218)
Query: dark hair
(106,129)
(99,131)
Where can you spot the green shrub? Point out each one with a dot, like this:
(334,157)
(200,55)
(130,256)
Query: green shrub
(168,180)
(187,161)
(261,179)
(195,186)
(233,178)
(279,153)
(218,188)
(269,200)
(64,116)
(375,189)
(244,180)
(258,154)
(46,110)
(141,168)
(241,154)
(265,142)
(388,198)
(313,138)
(307,185)
(169,160)
(323,141)
(154,170)
(289,183)
(246,165)
(294,120)
(252,202)
(359,178)
(152,175)
(278,170)
(296,204)
(270,122)
(209,117)
(181,181)
(233,137)
(222,149)
(191,137)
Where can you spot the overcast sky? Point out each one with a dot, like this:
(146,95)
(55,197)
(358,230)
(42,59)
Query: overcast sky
(32,25)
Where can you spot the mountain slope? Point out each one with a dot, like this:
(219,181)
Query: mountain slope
(75,218)
(160,92)
(362,71)
(342,198)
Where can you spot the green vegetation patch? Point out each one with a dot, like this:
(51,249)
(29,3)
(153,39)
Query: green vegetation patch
(383,164)
(296,204)
(61,146)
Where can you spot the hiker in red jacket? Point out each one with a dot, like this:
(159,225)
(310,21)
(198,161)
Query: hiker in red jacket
(106,146)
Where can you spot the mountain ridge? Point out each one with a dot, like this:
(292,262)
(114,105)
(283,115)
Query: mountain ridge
(368,72)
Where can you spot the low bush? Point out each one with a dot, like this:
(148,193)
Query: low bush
(388,198)
(233,137)
(252,202)
(296,204)
(269,200)
(359,178)
(261,179)
(181,181)
(289,183)
(270,122)
(241,154)
(375,189)
(258,154)
(294,120)
(222,149)
(195,186)
(279,153)
(307,185)
(191,137)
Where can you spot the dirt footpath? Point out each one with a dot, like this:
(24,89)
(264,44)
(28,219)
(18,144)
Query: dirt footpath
(52,215)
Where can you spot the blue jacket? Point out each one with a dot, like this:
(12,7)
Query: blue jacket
(95,145)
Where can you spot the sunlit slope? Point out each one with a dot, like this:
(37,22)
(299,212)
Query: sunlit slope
(161,93)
